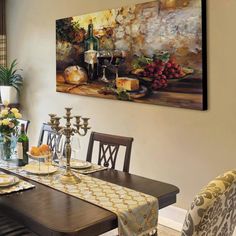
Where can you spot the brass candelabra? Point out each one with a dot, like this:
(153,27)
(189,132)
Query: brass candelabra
(80,127)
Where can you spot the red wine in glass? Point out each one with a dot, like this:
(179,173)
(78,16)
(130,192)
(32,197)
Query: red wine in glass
(104,58)
(118,58)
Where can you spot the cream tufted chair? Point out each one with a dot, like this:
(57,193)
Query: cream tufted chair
(213,211)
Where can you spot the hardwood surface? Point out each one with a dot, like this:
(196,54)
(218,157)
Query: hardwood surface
(47,211)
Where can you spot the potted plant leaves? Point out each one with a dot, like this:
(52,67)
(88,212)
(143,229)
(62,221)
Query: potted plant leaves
(10,83)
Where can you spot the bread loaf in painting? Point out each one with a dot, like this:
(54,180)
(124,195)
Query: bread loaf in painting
(75,75)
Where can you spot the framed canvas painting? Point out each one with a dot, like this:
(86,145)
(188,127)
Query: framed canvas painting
(153,52)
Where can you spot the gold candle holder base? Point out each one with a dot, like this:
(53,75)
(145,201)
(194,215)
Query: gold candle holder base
(69,177)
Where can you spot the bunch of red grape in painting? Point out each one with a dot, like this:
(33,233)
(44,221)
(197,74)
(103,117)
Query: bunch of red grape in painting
(173,70)
(160,71)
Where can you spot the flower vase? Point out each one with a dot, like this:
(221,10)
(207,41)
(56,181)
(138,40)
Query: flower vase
(7,148)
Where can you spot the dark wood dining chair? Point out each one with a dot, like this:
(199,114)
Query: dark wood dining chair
(48,136)
(25,122)
(108,149)
(10,227)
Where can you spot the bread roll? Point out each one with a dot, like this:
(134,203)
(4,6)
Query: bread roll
(75,75)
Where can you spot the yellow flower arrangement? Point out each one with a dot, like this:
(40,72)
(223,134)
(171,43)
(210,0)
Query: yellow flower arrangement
(18,115)
(9,121)
(8,129)
(14,110)
(5,122)
(4,112)
(11,125)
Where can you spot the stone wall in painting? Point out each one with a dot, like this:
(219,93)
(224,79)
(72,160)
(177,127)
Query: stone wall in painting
(167,26)
(144,29)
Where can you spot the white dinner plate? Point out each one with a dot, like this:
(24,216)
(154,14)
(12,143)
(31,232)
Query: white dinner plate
(41,169)
(8,180)
(38,157)
(79,164)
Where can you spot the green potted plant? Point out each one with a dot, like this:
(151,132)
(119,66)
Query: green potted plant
(10,83)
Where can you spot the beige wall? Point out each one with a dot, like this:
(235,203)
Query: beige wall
(183,147)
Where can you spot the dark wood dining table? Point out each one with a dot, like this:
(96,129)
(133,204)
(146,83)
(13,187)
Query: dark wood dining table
(49,212)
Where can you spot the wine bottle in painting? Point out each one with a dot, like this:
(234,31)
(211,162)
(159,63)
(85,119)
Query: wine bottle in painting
(90,54)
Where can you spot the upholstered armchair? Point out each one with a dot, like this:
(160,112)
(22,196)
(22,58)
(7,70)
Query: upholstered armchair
(213,211)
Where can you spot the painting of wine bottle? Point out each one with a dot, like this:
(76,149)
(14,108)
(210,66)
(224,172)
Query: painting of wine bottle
(153,53)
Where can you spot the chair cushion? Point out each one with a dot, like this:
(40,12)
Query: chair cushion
(213,211)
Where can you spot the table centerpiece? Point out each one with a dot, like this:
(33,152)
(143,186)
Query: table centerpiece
(8,130)
(80,127)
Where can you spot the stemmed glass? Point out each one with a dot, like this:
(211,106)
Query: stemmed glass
(60,144)
(104,59)
(39,163)
(48,161)
(75,146)
(118,58)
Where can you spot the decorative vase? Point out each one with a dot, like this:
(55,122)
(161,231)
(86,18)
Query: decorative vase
(7,148)
(10,94)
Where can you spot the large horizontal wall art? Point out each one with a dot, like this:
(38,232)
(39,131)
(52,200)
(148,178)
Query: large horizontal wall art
(153,53)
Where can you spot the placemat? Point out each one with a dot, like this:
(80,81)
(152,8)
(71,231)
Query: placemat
(94,168)
(137,212)
(20,186)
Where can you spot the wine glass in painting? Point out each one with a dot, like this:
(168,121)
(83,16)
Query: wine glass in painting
(117,59)
(104,59)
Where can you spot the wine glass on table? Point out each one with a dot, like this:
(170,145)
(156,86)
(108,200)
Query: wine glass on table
(48,161)
(75,147)
(60,146)
(117,59)
(104,60)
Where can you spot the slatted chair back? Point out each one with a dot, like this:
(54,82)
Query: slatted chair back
(25,122)
(10,227)
(109,146)
(48,136)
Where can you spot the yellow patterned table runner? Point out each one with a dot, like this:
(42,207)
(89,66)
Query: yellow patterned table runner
(137,212)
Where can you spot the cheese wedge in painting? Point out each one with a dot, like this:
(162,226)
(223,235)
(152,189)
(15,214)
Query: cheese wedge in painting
(128,84)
